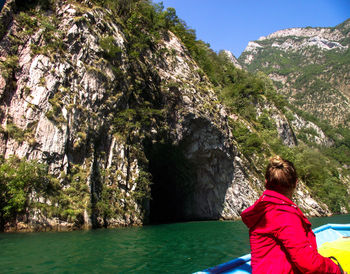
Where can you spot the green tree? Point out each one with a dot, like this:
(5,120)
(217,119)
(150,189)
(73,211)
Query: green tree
(20,179)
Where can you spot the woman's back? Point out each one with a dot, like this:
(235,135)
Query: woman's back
(280,235)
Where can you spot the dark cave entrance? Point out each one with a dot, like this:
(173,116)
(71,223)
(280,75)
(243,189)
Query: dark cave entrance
(173,179)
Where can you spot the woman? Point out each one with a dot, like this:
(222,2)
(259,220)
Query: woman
(281,239)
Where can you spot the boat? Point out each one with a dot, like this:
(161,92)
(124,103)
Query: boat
(327,236)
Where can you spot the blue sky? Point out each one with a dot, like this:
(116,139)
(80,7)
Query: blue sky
(231,24)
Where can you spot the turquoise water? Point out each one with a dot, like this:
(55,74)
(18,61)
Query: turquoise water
(170,248)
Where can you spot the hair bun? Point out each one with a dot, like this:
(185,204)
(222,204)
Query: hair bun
(280,175)
(277,162)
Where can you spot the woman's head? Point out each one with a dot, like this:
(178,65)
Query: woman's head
(280,175)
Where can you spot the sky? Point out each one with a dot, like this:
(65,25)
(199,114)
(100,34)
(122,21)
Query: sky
(231,24)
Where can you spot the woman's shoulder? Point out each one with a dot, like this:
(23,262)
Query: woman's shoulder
(282,211)
(282,215)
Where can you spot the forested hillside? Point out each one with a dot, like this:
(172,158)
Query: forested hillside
(310,66)
(113,114)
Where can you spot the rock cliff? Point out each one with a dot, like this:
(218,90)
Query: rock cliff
(232,58)
(131,134)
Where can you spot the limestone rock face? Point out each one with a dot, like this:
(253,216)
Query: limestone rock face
(90,113)
(316,135)
(250,50)
(325,33)
(232,58)
(284,129)
(311,207)
(310,66)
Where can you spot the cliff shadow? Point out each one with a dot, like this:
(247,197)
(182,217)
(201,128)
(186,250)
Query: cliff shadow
(190,180)
(212,152)
(173,179)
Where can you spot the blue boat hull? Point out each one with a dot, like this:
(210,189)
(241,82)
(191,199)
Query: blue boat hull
(241,265)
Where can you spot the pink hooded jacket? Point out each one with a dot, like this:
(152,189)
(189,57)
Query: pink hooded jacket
(281,239)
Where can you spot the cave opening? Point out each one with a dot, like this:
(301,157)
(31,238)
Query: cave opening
(173,180)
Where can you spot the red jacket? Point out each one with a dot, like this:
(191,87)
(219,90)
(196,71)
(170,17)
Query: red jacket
(281,239)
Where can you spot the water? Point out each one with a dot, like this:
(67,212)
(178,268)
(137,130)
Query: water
(171,248)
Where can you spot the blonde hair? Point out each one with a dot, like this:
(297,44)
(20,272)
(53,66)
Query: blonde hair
(280,174)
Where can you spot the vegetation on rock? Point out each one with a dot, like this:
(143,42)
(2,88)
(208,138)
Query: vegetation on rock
(25,186)
(119,148)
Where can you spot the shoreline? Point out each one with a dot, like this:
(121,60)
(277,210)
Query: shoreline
(22,227)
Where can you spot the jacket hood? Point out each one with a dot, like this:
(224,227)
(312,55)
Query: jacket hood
(268,200)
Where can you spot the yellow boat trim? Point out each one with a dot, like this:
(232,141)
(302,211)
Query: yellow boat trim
(340,249)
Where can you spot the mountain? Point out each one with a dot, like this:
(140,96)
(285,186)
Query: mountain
(310,66)
(231,58)
(114,114)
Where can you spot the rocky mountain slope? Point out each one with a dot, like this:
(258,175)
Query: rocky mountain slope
(231,58)
(108,120)
(310,66)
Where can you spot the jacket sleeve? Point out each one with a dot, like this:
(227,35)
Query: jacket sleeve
(291,234)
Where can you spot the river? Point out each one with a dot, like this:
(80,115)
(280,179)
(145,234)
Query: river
(169,248)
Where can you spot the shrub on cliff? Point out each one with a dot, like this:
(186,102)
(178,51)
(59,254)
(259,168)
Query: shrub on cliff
(20,182)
